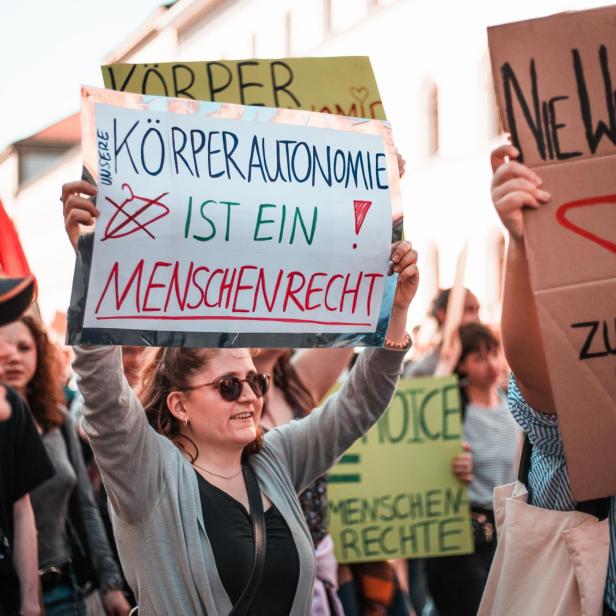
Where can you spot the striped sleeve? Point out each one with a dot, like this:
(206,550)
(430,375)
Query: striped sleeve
(548,479)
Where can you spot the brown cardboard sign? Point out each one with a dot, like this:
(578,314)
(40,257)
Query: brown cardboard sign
(555,79)
(570,237)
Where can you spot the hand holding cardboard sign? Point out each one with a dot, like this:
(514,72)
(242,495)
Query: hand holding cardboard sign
(514,186)
(78,210)
(553,82)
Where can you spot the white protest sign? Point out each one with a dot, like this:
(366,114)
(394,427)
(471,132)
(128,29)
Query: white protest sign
(237,224)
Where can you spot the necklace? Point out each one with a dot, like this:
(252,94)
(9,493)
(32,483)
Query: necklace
(216,474)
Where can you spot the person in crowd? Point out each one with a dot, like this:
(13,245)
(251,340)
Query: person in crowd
(456,583)
(201,470)
(132,363)
(514,188)
(373,588)
(24,465)
(299,382)
(64,504)
(427,365)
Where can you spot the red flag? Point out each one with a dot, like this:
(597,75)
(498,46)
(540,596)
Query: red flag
(13,262)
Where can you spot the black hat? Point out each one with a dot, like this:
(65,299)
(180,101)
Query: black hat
(15,297)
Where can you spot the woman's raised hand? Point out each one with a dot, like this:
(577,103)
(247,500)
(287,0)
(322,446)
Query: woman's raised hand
(404,263)
(514,186)
(78,209)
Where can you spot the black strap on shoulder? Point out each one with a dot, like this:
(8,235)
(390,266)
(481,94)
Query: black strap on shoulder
(524,467)
(244,603)
(598,507)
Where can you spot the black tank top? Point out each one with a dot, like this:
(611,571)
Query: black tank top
(229,529)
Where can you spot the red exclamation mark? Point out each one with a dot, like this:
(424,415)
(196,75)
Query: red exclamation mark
(361,209)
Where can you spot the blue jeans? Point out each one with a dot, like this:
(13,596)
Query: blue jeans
(62,597)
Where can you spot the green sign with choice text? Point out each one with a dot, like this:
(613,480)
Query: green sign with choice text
(393,494)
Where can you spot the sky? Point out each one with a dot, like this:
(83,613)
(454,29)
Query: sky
(49,49)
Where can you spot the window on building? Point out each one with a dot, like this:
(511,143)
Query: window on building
(495,125)
(434,269)
(288,32)
(327,15)
(253,45)
(432,119)
(35,160)
(493,119)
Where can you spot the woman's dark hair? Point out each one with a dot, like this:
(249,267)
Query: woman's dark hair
(169,369)
(440,302)
(44,391)
(285,377)
(474,337)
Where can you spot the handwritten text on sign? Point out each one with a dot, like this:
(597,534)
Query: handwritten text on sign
(393,494)
(274,227)
(554,81)
(339,85)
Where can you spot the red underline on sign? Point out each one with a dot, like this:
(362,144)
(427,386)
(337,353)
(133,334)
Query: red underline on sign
(142,317)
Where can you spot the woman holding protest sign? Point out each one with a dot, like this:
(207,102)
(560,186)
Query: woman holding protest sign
(71,537)
(544,468)
(189,487)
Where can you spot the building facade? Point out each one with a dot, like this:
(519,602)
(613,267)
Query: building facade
(432,66)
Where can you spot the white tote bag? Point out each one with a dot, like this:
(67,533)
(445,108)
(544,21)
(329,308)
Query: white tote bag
(547,563)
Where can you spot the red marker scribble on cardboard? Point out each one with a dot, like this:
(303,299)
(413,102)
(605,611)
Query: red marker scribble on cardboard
(139,220)
(361,209)
(561,217)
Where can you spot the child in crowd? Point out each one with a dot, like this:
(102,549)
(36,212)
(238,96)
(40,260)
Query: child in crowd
(457,582)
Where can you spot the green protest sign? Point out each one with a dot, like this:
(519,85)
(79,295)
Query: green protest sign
(393,494)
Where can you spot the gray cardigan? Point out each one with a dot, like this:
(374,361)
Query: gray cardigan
(156,511)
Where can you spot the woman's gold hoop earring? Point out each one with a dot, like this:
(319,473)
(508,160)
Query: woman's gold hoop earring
(185,423)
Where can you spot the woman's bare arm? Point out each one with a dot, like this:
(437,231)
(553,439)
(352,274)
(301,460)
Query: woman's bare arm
(319,369)
(515,187)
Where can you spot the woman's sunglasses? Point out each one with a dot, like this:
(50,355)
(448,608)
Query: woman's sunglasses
(230,387)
